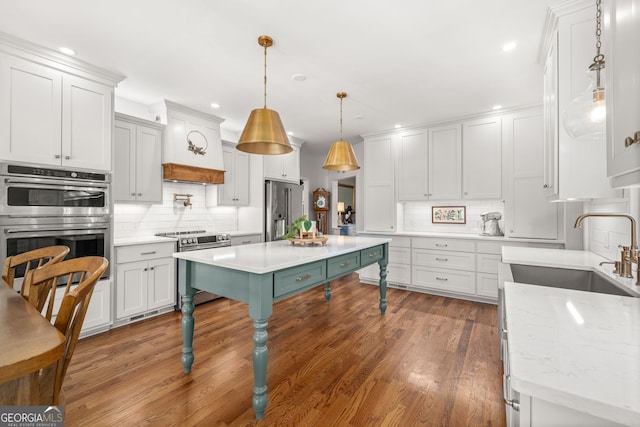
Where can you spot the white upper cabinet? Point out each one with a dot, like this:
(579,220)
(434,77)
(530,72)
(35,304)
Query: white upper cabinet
(52,117)
(445,161)
(235,190)
(137,172)
(575,169)
(528,214)
(622,55)
(283,167)
(482,159)
(429,164)
(379,187)
(193,138)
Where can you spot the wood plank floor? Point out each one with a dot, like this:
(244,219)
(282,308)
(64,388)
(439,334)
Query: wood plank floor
(428,361)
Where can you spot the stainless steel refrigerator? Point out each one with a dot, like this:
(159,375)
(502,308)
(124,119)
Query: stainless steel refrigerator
(283,205)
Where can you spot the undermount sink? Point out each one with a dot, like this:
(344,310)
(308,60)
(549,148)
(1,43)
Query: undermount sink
(580,280)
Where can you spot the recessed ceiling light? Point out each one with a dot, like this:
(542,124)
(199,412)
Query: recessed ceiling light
(299,77)
(497,107)
(509,46)
(290,133)
(67,51)
(398,126)
(215,105)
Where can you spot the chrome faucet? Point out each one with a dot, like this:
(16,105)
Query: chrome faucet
(629,254)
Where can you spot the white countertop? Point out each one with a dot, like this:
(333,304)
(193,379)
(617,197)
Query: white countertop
(128,241)
(563,258)
(591,366)
(458,236)
(266,257)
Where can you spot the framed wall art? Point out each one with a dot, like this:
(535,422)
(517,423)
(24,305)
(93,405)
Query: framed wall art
(449,214)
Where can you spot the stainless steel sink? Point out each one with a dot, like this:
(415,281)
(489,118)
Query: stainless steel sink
(579,280)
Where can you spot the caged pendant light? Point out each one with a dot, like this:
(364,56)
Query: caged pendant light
(585,116)
(341,156)
(264,132)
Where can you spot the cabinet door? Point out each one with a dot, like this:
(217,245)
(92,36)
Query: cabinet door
(550,100)
(86,124)
(30,111)
(622,49)
(412,166)
(99,310)
(283,167)
(528,214)
(482,159)
(148,164)
(226,191)
(131,288)
(124,165)
(379,195)
(162,285)
(445,161)
(242,175)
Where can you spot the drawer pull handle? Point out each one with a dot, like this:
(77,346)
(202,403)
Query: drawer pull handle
(148,253)
(371,255)
(630,140)
(443,279)
(246,242)
(440,245)
(301,278)
(345,264)
(442,259)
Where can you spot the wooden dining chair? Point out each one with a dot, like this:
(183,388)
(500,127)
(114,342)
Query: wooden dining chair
(84,271)
(30,260)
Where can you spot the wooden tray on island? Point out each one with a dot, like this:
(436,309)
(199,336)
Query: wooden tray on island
(309,241)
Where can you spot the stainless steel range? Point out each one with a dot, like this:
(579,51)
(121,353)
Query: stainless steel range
(193,241)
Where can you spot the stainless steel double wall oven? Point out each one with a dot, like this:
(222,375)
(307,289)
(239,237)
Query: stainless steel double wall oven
(43,206)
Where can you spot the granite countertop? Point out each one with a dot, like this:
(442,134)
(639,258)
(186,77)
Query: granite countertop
(266,257)
(576,349)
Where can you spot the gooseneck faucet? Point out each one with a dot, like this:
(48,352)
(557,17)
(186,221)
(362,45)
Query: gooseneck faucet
(629,254)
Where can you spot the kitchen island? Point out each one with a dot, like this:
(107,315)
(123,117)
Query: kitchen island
(263,273)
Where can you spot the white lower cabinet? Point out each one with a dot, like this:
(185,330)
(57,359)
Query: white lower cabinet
(145,280)
(398,268)
(98,316)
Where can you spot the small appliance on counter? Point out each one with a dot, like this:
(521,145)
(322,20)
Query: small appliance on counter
(490,226)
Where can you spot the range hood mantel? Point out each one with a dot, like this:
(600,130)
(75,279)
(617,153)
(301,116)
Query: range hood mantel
(186,173)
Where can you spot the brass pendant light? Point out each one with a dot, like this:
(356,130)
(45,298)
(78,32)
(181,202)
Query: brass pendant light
(341,156)
(264,132)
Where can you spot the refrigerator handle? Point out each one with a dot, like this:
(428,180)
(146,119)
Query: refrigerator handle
(287,205)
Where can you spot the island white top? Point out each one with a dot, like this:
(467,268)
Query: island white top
(576,349)
(266,257)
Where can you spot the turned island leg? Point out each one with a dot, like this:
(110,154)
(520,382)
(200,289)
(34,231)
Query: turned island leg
(383,285)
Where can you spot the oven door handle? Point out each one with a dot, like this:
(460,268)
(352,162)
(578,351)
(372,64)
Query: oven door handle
(63,185)
(52,230)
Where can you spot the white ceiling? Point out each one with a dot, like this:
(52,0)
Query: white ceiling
(404,61)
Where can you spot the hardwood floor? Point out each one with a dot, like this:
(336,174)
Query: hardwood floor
(428,361)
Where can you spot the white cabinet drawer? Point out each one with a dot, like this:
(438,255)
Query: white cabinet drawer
(447,280)
(487,285)
(400,242)
(143,252)
(396,273)
(442,259)
(399,255)
(487,263)
(439,244)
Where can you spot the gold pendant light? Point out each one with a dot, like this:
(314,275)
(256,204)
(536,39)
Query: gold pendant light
(264,133)
(341,156)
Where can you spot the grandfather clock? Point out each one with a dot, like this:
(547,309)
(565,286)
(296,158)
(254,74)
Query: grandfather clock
(321,206)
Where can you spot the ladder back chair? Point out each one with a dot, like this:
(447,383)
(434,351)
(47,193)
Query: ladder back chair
(84,271)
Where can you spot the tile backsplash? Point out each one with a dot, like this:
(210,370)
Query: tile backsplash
(416,216)
(141,220)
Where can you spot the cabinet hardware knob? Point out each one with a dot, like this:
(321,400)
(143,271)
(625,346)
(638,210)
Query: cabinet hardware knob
(151,268)
(442,259)
(348,263)
(57,156)
(301,278)
(246,242)
(67,157)
(545,186)
(440,245)
(443,279)
(371,255)
(133,194)
(145,269)
(629,141)
(148,253)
